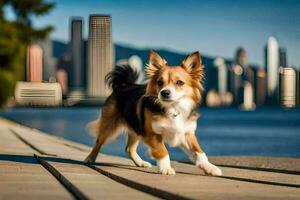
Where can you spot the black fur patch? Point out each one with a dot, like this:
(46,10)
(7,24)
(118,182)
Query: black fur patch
(127,93)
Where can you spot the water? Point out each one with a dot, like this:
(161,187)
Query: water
(264,132)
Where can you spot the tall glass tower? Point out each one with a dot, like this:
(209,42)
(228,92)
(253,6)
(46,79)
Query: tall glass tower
(272,64)
(100,54)
(76,73)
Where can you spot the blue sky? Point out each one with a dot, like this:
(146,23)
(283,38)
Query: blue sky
(215,28)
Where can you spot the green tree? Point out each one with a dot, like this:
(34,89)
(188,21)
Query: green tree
(15,36)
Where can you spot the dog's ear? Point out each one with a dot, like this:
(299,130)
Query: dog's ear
(193,65)
(155,64)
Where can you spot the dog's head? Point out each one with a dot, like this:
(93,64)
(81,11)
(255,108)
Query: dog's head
(174,83)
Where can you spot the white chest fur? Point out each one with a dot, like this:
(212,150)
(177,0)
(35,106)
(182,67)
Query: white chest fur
(174,128)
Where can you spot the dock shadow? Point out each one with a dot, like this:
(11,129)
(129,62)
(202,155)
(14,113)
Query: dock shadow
(28,159)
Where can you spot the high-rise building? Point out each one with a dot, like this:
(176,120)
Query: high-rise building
(76,72)
(282,57)
(261,86)
(287,87)
(49,62)
(236,73)
(241,57)
(248,96)
(137,64)
(34,63)
(298,86)
(272,65)
(219,63)
(100,54)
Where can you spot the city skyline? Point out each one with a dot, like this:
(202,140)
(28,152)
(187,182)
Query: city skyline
(217,30)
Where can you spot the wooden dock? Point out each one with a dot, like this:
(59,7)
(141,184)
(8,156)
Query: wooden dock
(35,165)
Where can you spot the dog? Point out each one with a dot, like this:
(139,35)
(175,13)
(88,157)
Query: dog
(163,110)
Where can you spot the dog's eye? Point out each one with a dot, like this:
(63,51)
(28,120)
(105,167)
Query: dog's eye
(160,82)
(179,83)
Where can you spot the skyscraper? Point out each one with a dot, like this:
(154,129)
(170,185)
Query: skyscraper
(219,63)
(282,57)
(261,86)
(34,70)
(241,57)
(272,65)
(287,87)
(76,73)
(49,62)
(100,54)
(298,86)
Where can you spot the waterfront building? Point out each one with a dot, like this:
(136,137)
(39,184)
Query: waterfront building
(76,75)
(287,87)
(261,86)
(137,64)
(38,94)
(248,97)
(236,83)
(100,55)
(222,75)
(49,62)
(34,63)
(272,65)
(282,57)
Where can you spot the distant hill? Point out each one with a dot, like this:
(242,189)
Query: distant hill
(124,52)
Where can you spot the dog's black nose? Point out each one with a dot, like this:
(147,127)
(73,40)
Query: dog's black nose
(165,93)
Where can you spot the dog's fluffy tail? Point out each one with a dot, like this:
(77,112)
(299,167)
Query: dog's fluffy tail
(93,127)
(121,76)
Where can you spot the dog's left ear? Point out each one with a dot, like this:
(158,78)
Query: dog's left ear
(193,65)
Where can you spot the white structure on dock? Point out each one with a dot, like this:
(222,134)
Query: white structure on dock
(38,94)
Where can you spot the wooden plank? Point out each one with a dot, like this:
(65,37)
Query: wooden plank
(10,144)
(273,164)
(90,183)
(200,186)
(21,177)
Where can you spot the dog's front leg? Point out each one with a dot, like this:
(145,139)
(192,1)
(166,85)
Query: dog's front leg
(160,153)
(192,148)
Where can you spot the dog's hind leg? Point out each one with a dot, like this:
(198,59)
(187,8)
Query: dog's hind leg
(132,144)
(107,127)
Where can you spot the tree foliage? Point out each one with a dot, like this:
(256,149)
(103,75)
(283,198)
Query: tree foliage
(15,36)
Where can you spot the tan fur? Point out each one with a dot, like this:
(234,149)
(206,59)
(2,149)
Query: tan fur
(107,128)
(193,142)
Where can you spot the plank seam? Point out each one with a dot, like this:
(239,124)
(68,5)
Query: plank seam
(260,181)
(62,179)
(282,171)
(138,186)
(30,144)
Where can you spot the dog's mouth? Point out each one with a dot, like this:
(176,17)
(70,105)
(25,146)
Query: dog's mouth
(166,100)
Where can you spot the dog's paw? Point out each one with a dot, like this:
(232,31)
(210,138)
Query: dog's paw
(167,171)
(144,164)
(164,166)
(211,169)
(88,160)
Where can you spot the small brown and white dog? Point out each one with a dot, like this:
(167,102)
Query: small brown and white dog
(162,110)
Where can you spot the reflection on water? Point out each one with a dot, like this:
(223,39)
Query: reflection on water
(266,131)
